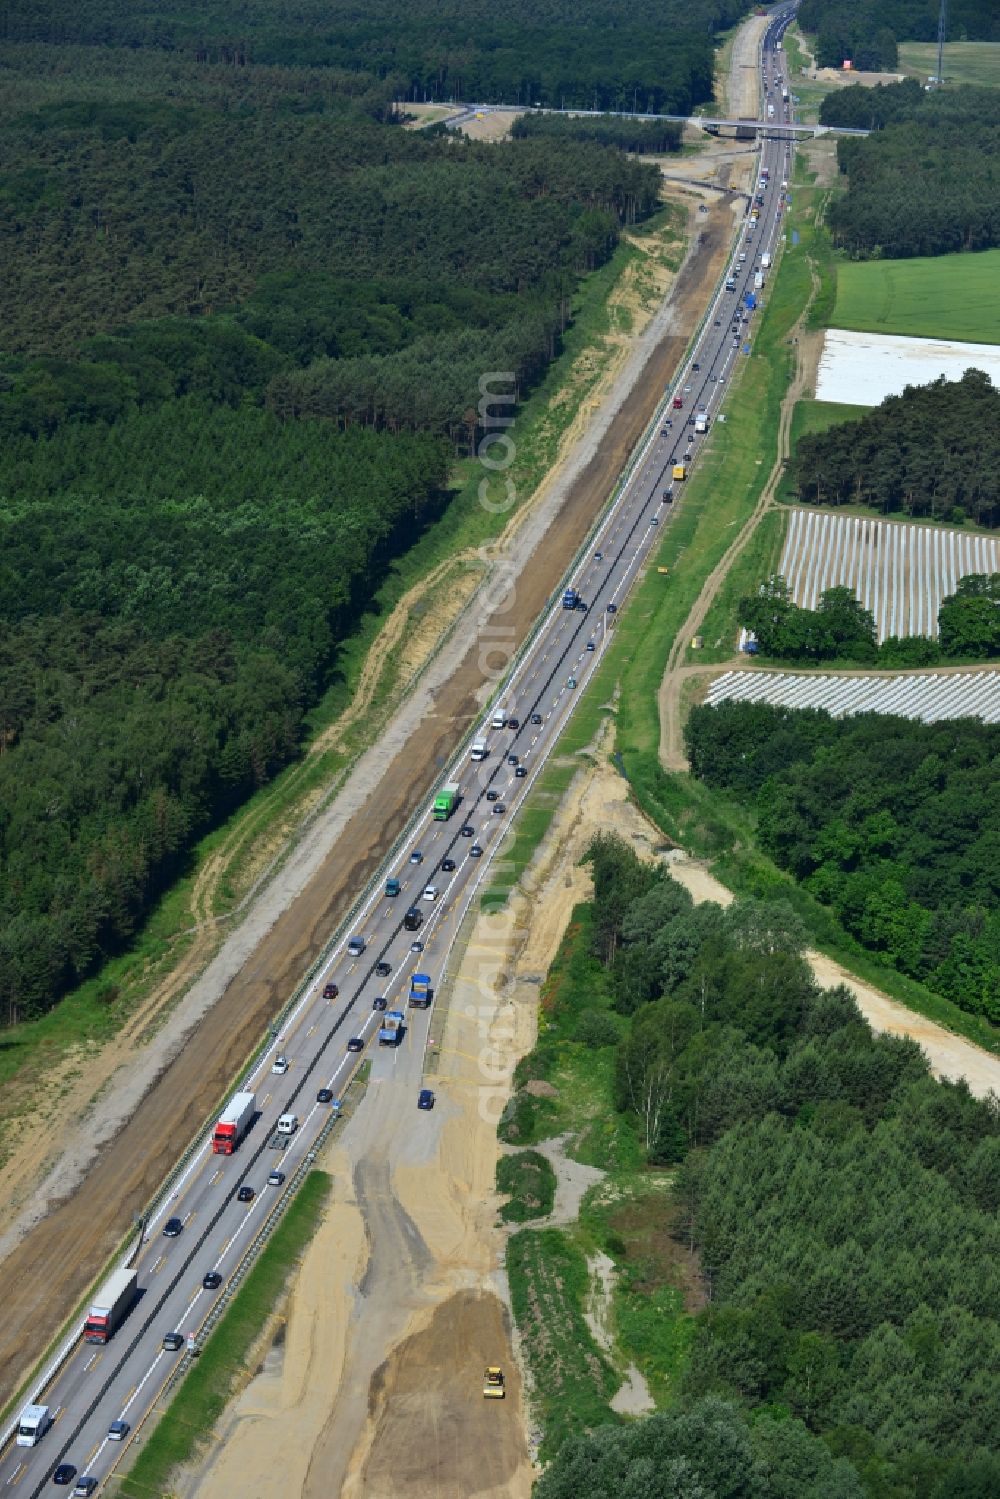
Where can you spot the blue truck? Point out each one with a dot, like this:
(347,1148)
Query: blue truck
(421,992)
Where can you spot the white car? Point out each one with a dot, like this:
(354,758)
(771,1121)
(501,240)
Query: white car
(430,892)
(280,1065)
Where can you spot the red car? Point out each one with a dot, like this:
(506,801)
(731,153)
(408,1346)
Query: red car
(330,991)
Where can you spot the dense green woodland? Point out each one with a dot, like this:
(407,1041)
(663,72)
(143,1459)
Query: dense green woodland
(655,136)
(867,31)
(932,452)
(594,54)
(244,319)
(926,182)
(843,1203)
(172,594)
(187,217)
(893,824)
(841,629)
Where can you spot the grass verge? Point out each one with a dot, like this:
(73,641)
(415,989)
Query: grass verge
(210,1383)
(758,561)
(530,1182)
(572,1380)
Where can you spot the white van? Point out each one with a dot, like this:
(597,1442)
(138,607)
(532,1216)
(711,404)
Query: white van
(288,1124)
(479,750)
(499,719)
(34,1422)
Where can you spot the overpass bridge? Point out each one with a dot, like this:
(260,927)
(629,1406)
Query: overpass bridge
(714,124)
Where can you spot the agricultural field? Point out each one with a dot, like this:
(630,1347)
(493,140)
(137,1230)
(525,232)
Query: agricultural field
(942,296)
(865,368)
(928,697)
(976,63)
(900,572)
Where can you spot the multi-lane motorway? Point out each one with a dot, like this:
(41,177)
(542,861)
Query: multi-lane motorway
(121,1381)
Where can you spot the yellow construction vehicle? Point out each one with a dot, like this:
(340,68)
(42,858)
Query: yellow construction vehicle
(680,472)
(493,1386)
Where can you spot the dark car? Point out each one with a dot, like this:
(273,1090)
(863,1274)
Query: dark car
(172,1228)
(521,772)
(330,991)
(598,556)
(355,1044)
(383,969)
(690,421)
(499,809)
(536,718)
(212,1281)
(512,760)
(379,1002)
(172,1341)
(325,1095)
(64,1474)
(425,1099)
(447,865)
(245,1194)
(468,831)
(492,796)
(475,852)
(612,608)
(591,646)
(513,723)
(696,367)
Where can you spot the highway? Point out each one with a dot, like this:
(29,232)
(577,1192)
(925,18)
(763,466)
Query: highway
(122,1380)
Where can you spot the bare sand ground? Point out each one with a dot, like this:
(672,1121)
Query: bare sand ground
(490,124)
(742,88)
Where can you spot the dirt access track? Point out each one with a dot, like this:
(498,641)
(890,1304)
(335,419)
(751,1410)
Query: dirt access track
(266,957)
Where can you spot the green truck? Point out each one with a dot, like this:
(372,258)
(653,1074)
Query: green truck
(446,801)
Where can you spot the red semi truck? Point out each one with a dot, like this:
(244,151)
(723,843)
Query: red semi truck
(234,1123)
(110,1306)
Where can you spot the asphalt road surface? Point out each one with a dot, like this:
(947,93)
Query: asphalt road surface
(121,1380)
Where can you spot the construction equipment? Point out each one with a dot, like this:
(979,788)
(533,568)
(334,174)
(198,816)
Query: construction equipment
(493,1385)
